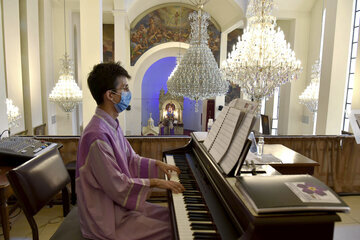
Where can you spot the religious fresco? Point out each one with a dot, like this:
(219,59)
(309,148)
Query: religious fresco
(108,43)
(233,93)
(167,24)
(234,90)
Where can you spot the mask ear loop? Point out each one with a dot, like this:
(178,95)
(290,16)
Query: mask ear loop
(113,92)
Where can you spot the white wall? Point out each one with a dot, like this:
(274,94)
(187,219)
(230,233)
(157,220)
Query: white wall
(3,116)
(313,55)
(30,56)
(65,122)
(13,58)
(47,68)
(91,49)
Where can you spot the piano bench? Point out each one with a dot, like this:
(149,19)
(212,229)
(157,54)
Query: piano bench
(69,228)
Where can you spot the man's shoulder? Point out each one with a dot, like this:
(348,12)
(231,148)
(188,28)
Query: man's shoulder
(94,132)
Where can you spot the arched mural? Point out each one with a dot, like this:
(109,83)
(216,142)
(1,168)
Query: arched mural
(167,24)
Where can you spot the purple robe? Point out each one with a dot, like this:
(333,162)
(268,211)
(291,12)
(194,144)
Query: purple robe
(112,184)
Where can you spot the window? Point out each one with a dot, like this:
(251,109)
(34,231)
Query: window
(275,117)
(352,65)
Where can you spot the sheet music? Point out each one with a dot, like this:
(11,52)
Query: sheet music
(200,136)
(234,151)
(244,105)
(225,135)
(215,128)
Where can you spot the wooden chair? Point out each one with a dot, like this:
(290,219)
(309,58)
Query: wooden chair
(40,130)
(23,133)
(35,183)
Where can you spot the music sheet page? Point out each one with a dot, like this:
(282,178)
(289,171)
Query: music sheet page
(215,128)
(225,135)
(234,151)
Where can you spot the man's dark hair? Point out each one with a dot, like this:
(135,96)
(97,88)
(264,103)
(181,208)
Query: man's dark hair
(103,78)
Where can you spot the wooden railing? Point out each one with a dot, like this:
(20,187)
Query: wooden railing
(338,156)
(151,147)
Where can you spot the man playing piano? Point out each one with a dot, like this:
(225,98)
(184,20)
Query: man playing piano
(112,181)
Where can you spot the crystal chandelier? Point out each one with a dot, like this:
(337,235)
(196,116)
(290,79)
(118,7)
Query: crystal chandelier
(197,76)
(310,96)
(261,60)
(66,92)
(12,112)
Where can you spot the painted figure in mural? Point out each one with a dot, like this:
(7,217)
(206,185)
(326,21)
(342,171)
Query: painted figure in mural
(163,25)
(112,181)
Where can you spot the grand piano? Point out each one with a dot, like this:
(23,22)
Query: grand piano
(212,207)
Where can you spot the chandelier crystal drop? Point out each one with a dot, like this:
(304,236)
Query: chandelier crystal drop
(261,60)
(66,93)
(178,59)
(310,96)
(197,76)
(12,112)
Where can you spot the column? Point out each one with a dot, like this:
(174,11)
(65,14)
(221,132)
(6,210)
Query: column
(334,67)
(30,56)
(3,116)
(122,47)
(91,49)
(11,34)
(47,66)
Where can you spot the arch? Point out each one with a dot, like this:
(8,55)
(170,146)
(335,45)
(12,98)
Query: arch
(170,49)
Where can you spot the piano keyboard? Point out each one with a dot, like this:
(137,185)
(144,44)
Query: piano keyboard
(193,218)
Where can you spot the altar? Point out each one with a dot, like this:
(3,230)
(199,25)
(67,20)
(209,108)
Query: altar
(171,114)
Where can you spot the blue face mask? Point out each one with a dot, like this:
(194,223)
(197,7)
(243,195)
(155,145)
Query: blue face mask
(124,102)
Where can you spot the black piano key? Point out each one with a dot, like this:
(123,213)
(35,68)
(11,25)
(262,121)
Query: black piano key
(196,208)
(198,214)
(197,201)
(200,219)
(193,198)
(204,235)
(202,226)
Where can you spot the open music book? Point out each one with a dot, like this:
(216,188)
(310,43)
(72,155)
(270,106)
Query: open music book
(226,139)
(288,193)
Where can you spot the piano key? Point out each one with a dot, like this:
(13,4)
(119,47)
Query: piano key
(202,226)
(182,220)
(194,207)
(192,216)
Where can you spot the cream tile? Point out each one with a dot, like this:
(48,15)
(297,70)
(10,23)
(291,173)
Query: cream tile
(48,220)
(347,231)
(346,219)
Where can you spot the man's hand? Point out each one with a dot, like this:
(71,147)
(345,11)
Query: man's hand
(171,185)
(167,168)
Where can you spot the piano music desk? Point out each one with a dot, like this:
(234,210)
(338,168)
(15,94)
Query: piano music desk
(292,162)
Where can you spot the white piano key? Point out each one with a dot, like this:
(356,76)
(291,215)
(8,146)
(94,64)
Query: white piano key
(182,219)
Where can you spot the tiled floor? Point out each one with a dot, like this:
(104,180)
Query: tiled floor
(49,219)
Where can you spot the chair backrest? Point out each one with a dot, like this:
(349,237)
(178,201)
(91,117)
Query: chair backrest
(37,181)
(40,130)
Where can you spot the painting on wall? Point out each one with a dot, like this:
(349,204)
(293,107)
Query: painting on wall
(108,43)
(232,38)
(167,24)
(234,90)
(233,93)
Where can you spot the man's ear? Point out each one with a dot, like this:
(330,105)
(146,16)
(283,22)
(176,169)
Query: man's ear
(108,96)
